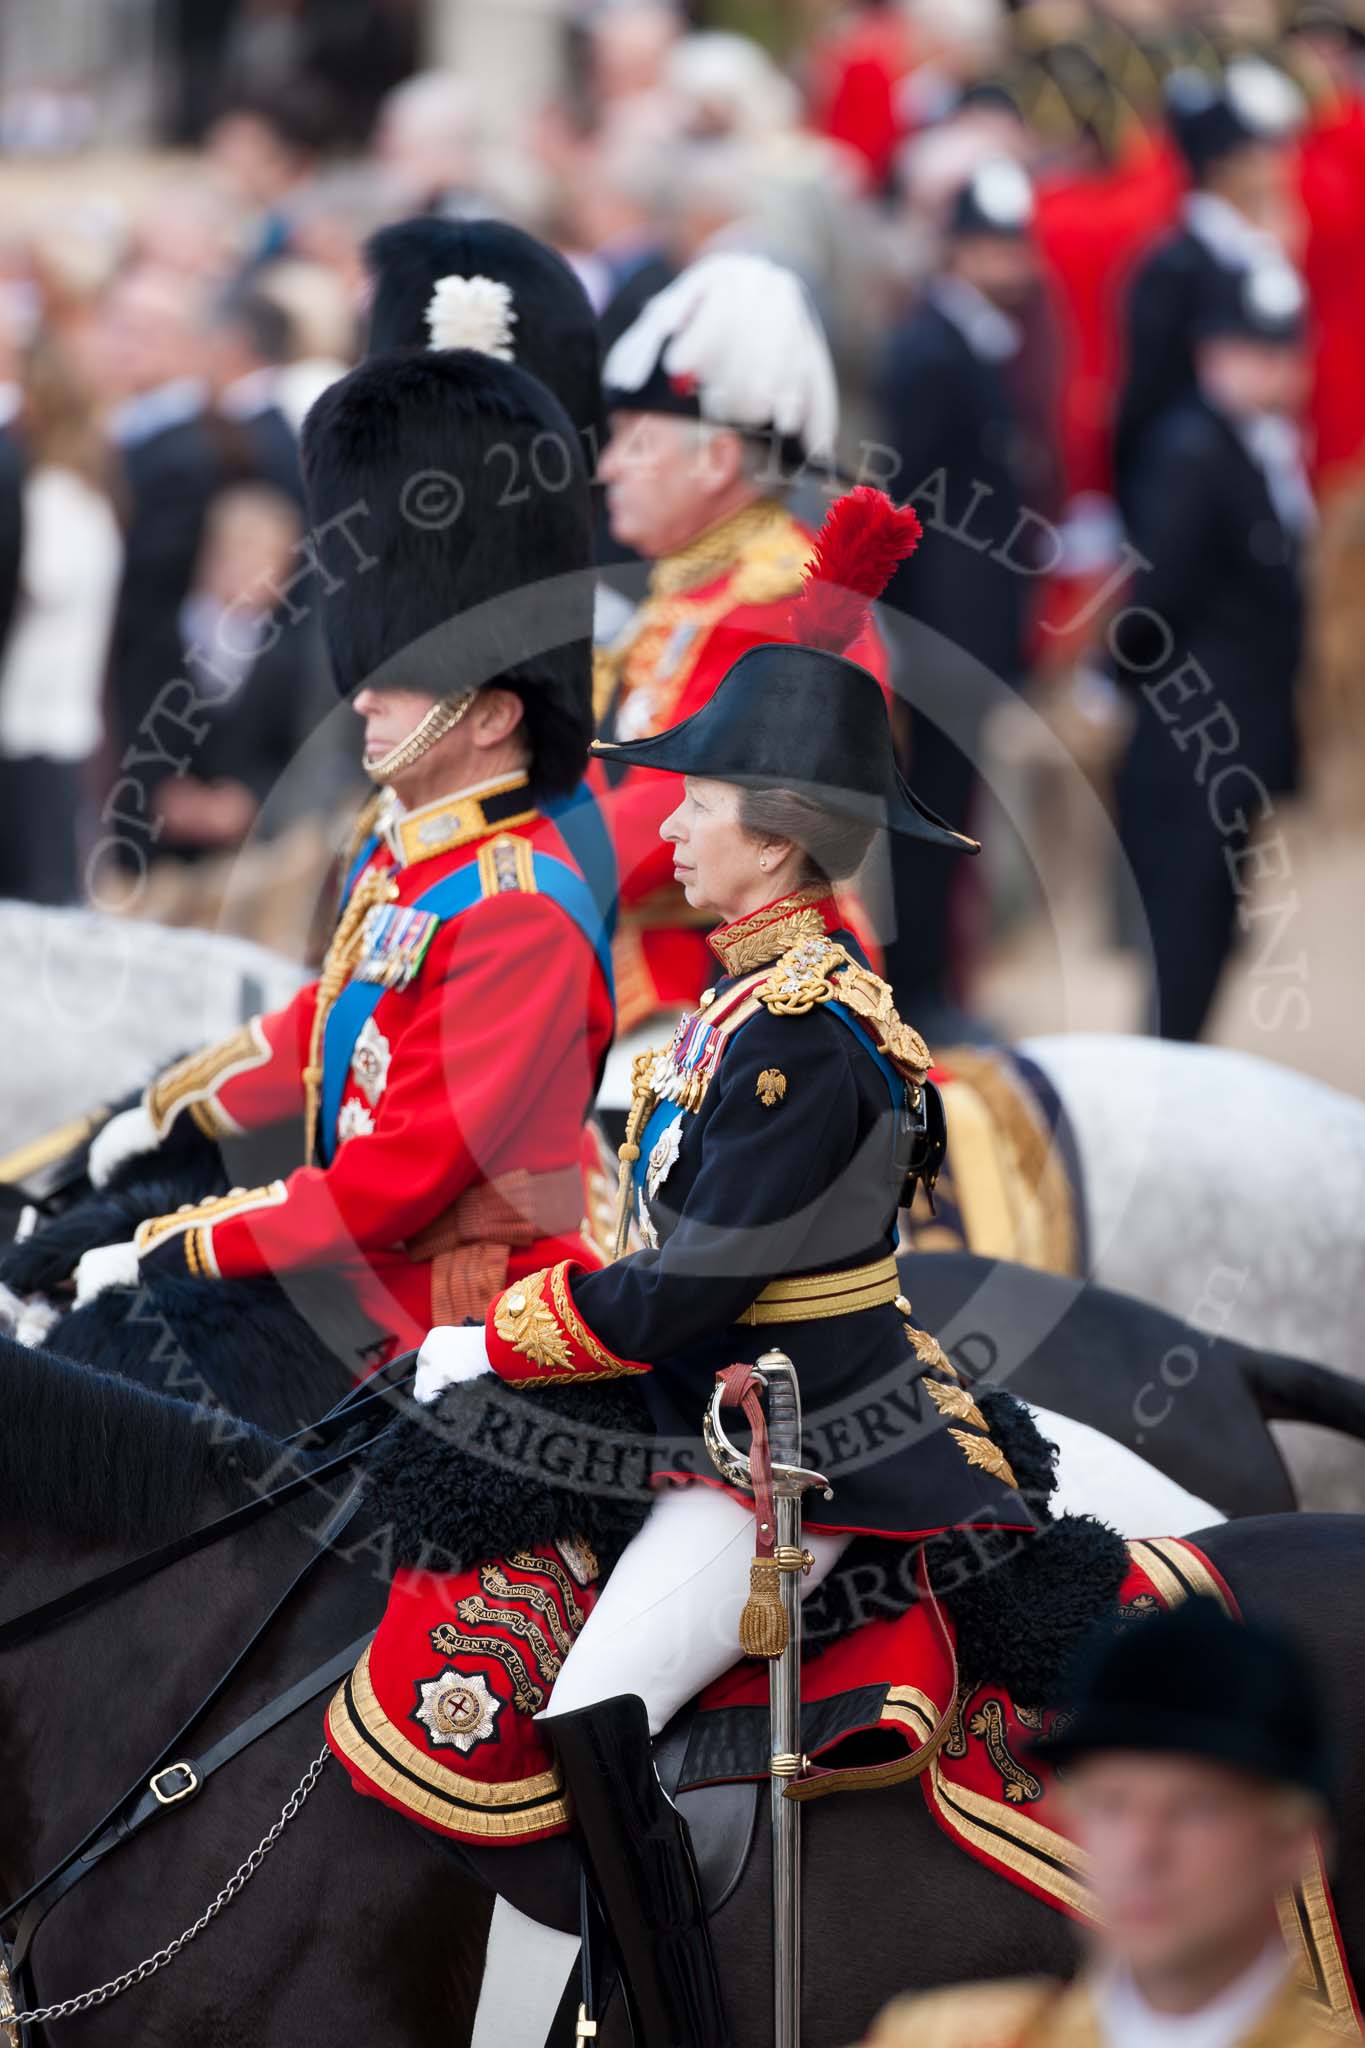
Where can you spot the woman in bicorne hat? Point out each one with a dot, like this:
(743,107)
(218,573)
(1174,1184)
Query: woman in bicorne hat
(769,1148)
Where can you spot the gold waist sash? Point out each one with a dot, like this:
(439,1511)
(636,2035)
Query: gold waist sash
(814,1296)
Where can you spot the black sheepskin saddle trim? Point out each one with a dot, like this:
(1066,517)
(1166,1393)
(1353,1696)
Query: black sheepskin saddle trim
(1021,1603)
(154,1186)
(276,1360)
(489,1469)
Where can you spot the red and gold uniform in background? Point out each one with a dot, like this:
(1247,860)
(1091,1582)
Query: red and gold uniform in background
(730,589)
(450,1164)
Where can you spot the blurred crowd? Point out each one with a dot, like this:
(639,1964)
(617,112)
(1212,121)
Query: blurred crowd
(1092,278)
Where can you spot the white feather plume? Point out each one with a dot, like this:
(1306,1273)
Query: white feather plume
(743,331)
(472,312)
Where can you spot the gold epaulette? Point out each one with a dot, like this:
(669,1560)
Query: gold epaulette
(821,971)
(507,863)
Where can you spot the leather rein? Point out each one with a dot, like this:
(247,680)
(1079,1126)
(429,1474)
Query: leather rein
(174,1776)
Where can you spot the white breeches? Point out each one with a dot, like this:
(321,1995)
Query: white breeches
(667,1623)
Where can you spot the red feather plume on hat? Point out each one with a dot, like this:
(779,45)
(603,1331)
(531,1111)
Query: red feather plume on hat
(857,551)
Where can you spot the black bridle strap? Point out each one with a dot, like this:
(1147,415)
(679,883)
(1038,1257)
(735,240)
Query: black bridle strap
(327,1536)
(374,1392)
(356,1405)
(22,1628)
(198,1771)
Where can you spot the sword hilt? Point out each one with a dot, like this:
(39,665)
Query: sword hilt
(783,1405)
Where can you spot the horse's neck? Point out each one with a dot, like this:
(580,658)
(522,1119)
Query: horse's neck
(86,1707)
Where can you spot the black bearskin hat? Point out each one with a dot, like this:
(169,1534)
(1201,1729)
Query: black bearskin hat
(1193,1682)
(548,325)
(450,517)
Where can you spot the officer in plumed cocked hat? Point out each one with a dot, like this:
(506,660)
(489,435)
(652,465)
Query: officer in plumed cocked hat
(717,394)
(1198,1765)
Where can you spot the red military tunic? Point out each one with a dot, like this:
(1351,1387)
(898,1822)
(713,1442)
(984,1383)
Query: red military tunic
(452,1164)
(728,591)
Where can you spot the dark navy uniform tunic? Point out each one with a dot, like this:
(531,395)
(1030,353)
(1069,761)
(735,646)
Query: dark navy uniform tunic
(773,1146)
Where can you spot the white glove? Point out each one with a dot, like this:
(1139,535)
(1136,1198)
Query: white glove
(124,1137)
(108,1265)
(448,1356)
(35,1325)
(13,1309)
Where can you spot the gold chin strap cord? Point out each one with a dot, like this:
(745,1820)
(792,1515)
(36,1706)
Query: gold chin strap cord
(442,718)
(342,954)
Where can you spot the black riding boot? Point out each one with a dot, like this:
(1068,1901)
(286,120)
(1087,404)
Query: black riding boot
(639,1857)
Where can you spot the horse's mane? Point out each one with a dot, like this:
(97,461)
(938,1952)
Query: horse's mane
(99,1457)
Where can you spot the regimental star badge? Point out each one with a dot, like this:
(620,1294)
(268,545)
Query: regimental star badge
(662,1157)
(353,1121)
(457,1709)
(370,1060)
(771,1086)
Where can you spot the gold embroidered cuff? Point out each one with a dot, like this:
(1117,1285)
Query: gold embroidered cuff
(195,1223)
(534,1332)
(193,1083)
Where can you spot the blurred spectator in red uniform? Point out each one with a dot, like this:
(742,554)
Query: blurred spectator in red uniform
(1332,186)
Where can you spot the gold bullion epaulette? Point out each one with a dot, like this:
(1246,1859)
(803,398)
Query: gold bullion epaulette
(507,863)
(820,970)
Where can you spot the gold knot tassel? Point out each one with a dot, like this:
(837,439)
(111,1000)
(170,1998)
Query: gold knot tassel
(763,1624)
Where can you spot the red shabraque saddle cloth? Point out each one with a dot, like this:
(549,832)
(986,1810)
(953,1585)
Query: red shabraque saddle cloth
(437,1720)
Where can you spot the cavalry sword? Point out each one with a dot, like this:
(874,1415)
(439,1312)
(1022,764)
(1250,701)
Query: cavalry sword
(777,1636)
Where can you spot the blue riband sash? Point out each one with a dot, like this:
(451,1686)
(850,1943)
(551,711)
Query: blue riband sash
(444,899)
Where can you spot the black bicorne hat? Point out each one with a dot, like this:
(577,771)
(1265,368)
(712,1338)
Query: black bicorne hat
(449,554)
(1192,1682)
(547,322)
(800,715)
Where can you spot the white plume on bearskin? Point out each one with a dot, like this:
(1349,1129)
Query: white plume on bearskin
(472,312)
(744,333)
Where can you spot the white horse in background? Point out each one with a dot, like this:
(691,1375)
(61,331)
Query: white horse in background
(1231,1192)
(91,1006)
(1220,1187)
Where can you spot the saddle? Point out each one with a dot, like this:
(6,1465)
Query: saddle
(882,1702)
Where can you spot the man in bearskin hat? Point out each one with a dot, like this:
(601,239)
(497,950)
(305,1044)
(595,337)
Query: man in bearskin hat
(1197,1769)
(442,1065)
(717,395)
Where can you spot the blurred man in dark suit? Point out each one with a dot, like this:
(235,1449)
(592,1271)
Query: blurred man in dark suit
(1235,137)
(961,446)
(1211,640)
(152,357)
(11,482)
(249,340)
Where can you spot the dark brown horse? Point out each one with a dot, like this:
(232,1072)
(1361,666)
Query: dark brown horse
(360,1925)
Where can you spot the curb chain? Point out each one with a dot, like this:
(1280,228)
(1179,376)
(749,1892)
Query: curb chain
(87,2000)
